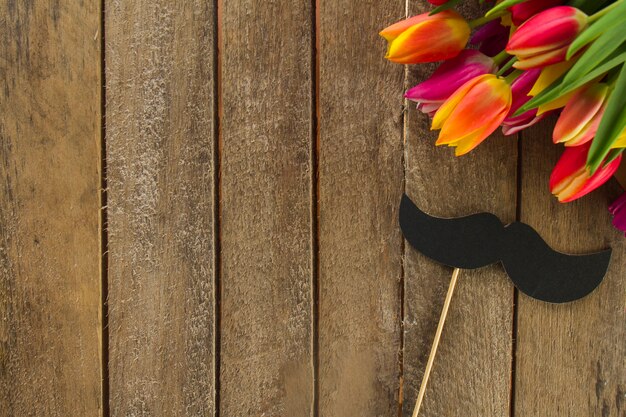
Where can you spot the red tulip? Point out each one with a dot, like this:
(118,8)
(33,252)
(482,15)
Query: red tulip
(472,113)
(581,116)
(425,38)
(544,38)
(523,11)
(438,2)
(570,178)
(446,79)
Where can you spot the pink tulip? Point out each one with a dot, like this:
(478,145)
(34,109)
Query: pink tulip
(544,38)
(523,11)
(446,79)
(579,121)
(438,2)
(520,89)
(426,38)
(570,178)
(618,210)
(492,38)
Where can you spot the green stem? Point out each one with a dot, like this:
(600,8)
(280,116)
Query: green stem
(513,76)
(485,19)
(500,58)
(507,66)
(604,11)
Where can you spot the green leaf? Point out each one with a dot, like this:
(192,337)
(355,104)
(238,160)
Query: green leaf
(612,124)
(558,88)
(596,29)
(597,52)
(503,6)
(445,6)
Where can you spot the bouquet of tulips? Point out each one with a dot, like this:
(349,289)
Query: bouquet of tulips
(530,58)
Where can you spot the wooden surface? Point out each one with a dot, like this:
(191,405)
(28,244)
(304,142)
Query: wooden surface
(360,184)
(50,324)
(266,211)
(243,257)
(160,145)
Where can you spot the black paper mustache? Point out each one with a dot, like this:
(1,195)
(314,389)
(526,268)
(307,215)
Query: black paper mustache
(481,239)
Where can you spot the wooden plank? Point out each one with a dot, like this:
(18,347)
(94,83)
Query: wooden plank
(49,209)
(472,372)
(160,154)
(571,359)
(360,185)
(266,208)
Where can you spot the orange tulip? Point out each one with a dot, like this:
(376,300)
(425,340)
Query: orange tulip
(473,112)
(425,38)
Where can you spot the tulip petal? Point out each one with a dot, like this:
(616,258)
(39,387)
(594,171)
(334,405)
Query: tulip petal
(579,112)
(449,105)
(429,39)
(524,11)
(513,128)
(550,74)
(557,103)
(541,59)
(570,178)
(550,28)
(392,32)
(451,75)
(481,106)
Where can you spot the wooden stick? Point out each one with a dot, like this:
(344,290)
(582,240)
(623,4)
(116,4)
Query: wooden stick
(433,349)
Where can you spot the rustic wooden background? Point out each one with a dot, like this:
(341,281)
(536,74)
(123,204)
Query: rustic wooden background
(198,218)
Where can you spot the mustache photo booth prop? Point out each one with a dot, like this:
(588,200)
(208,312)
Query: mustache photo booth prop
(481,239)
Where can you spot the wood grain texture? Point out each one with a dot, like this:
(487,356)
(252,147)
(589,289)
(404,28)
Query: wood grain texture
(160,142)
(360,185)
(49,209)
(471,376)
(266,208)
(571,358)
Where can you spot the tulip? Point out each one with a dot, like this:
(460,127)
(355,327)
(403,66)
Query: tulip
(446,79)
(523,11)
(570,178)
(520,89)
(425,38)
(544,38)
(581,117)
(438,2)
(472,113)
(618,210)
(492,38)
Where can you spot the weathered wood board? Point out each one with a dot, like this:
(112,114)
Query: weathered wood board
(266,208)
(160,128)
(360,185)
(50,124)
